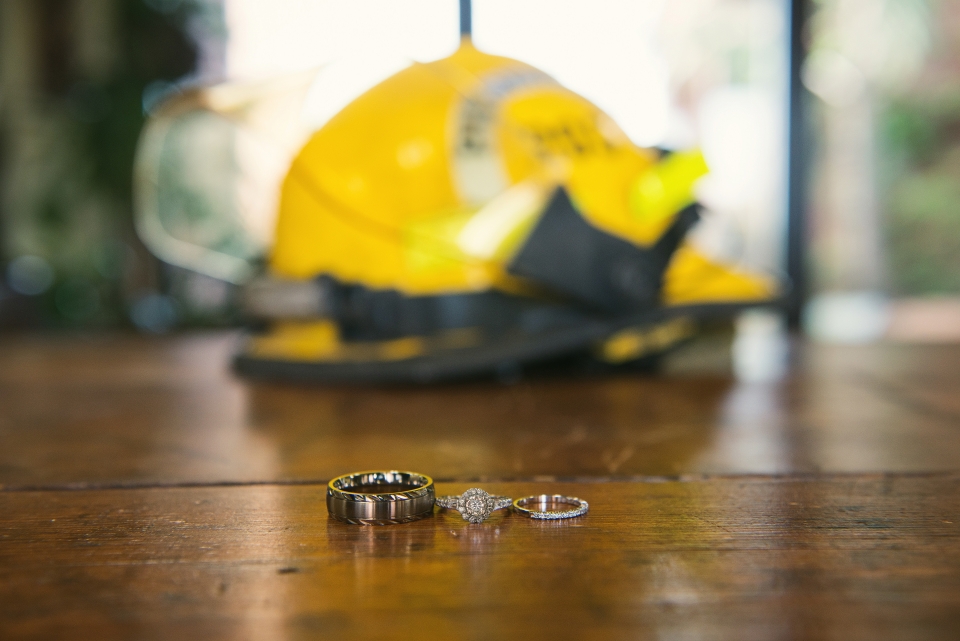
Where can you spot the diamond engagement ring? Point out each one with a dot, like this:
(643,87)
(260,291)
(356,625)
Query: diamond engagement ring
(474,505)
(545,501)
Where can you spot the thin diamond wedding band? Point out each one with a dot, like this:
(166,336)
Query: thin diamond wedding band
(474,505)
(380,497)
(544,501)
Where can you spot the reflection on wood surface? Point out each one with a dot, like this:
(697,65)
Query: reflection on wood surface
(868,557)
(126,409)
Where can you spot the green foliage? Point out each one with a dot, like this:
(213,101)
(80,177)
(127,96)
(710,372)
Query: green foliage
(920,171)
(74,190)
(153,47)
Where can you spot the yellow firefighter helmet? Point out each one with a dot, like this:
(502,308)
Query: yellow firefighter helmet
(471,215)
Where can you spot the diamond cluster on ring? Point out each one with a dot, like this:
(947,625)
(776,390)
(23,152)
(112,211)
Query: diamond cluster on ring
(475,505)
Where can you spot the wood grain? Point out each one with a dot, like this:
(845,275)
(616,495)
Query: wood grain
(115,409)
(839,557)
(215,526)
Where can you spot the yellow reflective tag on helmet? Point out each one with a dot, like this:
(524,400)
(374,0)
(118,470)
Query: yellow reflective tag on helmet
(666,188)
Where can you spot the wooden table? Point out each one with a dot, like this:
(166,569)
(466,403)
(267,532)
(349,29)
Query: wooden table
(147,493)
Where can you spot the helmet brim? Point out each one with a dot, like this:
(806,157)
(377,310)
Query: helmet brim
(433,359)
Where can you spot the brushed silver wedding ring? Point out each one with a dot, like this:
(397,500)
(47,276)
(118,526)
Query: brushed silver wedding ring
(536,506)
(380,497)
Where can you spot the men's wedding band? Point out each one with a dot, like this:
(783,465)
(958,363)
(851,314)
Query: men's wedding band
(380,497)
(527,505)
